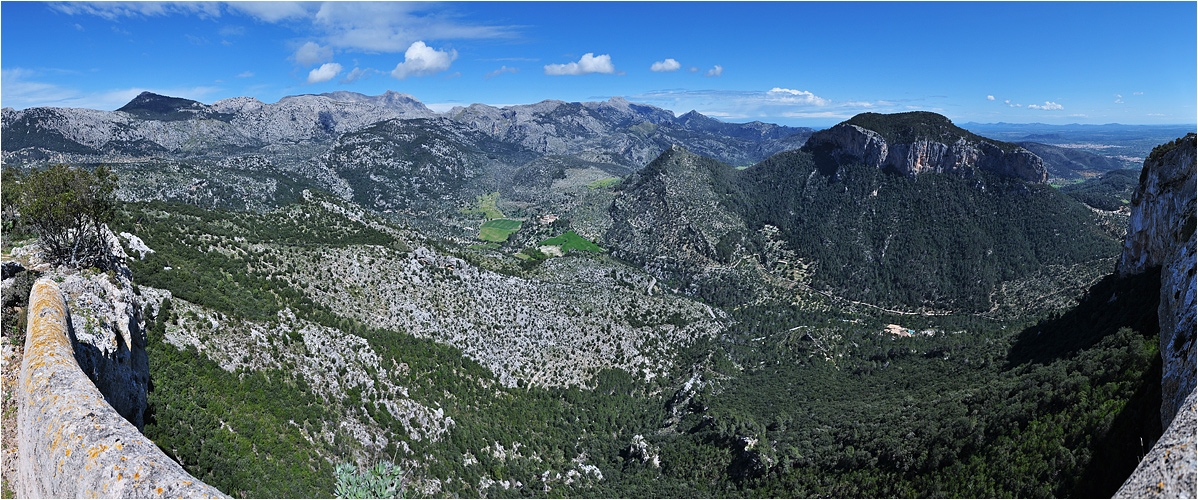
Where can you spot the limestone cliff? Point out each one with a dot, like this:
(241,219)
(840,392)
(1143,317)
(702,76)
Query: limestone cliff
(920,142)
(1161,233)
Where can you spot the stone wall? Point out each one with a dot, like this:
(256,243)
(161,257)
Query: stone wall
(71,441)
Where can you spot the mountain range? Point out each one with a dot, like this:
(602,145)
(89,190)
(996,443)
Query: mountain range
(608,299)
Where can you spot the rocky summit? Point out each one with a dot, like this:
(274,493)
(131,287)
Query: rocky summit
(919,142)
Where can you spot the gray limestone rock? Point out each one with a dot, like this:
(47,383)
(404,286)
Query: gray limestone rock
(71,442)
(1169,469)
(1161,232)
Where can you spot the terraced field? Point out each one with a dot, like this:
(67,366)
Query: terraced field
(498,230)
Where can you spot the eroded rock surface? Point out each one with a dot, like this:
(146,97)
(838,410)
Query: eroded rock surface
(71,442)
(1161,233)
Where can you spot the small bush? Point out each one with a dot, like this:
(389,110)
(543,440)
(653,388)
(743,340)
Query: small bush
(384,480)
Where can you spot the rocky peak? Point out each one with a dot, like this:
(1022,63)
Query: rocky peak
(151,106)
(919,142)
(1161,232)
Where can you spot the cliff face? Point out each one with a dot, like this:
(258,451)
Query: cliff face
(1161,233)
(936,145)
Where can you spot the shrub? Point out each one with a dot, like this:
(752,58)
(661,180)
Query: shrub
(66,207)
(384,480)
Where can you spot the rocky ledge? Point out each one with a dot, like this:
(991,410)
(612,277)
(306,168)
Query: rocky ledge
(71,442)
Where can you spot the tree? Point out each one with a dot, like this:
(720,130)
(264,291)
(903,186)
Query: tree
(67,208)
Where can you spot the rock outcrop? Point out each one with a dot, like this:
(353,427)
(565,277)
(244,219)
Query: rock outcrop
(1161,233)
(1167,471)
(71,442)
(921,142)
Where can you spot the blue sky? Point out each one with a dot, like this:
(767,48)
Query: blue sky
(796,63)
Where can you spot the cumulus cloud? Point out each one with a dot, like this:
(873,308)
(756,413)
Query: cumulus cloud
(1048,105)
(1009,105)
(989,98)
(421,60)
(716,71)
(502,69)
(312,53)
(324,73)
(589,63)
(791,96)
(1119,96)
(1118,101)
(666,65)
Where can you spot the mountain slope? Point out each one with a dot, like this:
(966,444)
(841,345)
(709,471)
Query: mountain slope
(862,224)
(625,133)
(1067,163)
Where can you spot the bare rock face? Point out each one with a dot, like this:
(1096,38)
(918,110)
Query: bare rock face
(1161,233)
(917,143)
(107,331)
(1168,470)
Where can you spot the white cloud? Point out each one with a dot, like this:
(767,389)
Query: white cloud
(693,69)
(115,10)
(357,74)
(1077,115)
(589,63)
(791,96)
(394,26)
(245,74)
(1118,101)
(232,31)
(502,69)
(272,12)
(421,60)
(989,98)
(666,65)
(324,73)
(716,71)
(1009,105)
(1137,93)
(79,27)
(1048,105)
(312,53)
(1119,96)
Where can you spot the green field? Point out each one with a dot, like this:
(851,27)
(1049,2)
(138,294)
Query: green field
(604,183)
(498,230)
(485,205)
(572,241)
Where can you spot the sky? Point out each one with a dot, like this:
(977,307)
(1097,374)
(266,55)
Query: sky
(793,63)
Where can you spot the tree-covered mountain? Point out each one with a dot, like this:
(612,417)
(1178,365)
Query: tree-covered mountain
(863,226)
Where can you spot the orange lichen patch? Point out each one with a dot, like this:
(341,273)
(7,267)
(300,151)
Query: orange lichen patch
(159,490)
(68,452)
